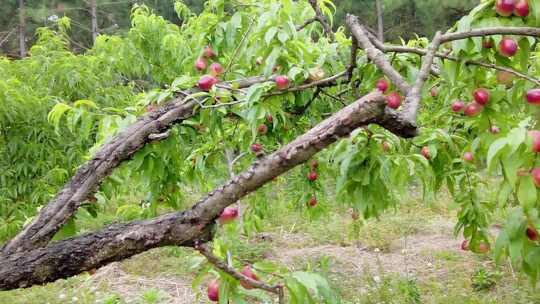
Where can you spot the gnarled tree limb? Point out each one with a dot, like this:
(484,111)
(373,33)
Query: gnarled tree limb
(72,256)
(85,181)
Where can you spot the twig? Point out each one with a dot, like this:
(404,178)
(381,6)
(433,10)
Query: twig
(237,158)
(376,55)
(322,20)
(330,81)
(352,64)
(225,104)
(218,263)
(333,97)
(423,52)
(499,30)
(412,101)
(7,36)
(306,23)
(235,54)
(306,106)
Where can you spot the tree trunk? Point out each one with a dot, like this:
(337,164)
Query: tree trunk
(380,23)
(22,30)
(93,17)
(72,256)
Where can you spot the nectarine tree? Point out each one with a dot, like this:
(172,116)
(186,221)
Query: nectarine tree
(292,85)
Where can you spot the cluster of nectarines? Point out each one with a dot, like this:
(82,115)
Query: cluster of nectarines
(519,8)
(206,82)
(213,286)
(312,176)
(393,99)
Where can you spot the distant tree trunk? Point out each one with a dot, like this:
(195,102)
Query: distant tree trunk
(22,30)
(93,17)
(380,24)
(412,8)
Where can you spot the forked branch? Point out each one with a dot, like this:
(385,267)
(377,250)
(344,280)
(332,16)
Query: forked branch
(412,101)
(221,265)
(376,56)
(116,242)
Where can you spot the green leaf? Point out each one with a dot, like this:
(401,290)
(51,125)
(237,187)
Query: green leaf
(527,192)
(84,102)
(269,36)
(56,113)
(494,150)
(317,284)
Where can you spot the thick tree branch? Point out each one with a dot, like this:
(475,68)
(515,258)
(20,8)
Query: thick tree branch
(119,149)
(375,55)
(412,101)
(72,256)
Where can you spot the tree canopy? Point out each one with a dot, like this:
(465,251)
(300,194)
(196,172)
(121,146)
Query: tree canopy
(219,103)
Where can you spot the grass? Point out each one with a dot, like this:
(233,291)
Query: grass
(392,259)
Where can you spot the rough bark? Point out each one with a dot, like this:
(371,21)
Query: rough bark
(85,181)
(72,256)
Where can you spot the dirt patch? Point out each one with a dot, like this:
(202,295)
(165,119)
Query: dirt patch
(411,256)
(131,289)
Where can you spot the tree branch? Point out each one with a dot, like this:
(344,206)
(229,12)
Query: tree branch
(500,30)
(306,23)
(306,106)
(375,55)
(412,101)
(120,148)
(327,82)
(354,54)
(237,50)
(218,263)
(116,242)
(422,52)
(322,20)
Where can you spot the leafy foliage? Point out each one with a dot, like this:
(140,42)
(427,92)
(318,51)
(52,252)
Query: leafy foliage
(58,108)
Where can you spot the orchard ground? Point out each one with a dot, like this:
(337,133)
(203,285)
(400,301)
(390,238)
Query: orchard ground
(407,256)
